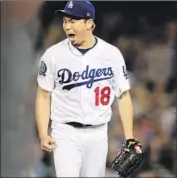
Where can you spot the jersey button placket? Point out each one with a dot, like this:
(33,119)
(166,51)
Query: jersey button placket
(84,63)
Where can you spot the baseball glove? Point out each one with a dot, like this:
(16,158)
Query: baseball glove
(129,158)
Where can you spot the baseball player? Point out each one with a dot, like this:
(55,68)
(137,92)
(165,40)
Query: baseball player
(78,80)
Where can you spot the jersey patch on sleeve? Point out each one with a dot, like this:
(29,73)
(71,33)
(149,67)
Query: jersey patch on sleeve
(125,72)
(43,68)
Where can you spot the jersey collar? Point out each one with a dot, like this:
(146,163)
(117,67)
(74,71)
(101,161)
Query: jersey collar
(77,52)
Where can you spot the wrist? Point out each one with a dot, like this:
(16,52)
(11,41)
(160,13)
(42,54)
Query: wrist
(42,136)
(129,136)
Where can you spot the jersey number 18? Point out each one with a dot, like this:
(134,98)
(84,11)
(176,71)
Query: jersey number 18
(102,95)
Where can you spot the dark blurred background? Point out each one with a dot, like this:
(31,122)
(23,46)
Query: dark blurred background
(146,34)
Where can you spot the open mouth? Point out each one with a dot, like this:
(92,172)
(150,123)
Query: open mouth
(71,36)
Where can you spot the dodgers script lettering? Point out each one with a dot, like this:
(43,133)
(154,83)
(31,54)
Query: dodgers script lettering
(87,77)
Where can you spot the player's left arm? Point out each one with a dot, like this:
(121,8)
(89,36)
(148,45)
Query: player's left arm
(130,157)
(126,113)
(122,87)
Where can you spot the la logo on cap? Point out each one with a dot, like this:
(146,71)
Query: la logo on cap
(70,5)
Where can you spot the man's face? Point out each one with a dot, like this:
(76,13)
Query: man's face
(76,30)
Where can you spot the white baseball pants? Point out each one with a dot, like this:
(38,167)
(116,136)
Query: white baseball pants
(80,152)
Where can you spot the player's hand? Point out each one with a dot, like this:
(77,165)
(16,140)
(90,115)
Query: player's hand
(47,143)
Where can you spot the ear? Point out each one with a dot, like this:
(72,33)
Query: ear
(89,23)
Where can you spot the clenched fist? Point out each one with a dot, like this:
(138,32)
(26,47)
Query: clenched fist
(47,143)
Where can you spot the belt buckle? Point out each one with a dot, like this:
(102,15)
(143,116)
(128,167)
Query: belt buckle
(84,126)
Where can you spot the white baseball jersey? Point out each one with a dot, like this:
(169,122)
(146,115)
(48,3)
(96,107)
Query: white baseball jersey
(83,86)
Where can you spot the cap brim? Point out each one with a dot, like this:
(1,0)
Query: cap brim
(67,14)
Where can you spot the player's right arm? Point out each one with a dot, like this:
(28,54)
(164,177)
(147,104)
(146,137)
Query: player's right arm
(42,117)
(45,81)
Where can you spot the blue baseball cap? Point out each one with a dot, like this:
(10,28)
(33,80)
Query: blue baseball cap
(79,9)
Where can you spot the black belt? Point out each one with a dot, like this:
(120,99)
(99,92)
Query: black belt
(78,125)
